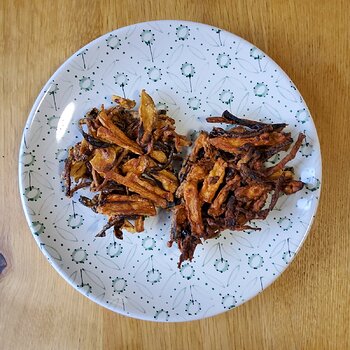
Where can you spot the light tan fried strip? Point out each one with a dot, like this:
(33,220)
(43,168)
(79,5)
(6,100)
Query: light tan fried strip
(159,156)
(111,133)
(103,159)
(128,226)
(193,202)
(148,116)
(251,192)
(201,142)
(291,155)
(198,172)
(139,224)
(213,181)
(138,165)
(194,207)
(127,208)
(143,188)
(216,208)
(150,187)
(168,180)
(232,145)
(124,102)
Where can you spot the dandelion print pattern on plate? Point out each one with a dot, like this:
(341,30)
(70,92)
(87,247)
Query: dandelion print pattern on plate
(193,71)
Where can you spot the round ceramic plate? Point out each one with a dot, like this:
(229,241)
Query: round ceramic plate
(192,70)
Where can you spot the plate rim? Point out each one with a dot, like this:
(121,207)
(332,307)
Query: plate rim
(55,265)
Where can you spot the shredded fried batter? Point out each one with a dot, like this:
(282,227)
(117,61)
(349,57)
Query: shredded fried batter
(126,158)
(225,183)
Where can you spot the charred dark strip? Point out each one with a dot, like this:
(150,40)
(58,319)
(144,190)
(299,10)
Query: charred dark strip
(94,141)
(92,114)
(159,146)
(277,192)
(187,247)
(168,163)
(66,173)
(246,227)
(244,190)
(252,123)
(80,185)
(250,133)
(245,134)
(271,151)
(120,129)
(112,222)
(251,175)
(186,167)
(291,155)
(217,131)
(229,118)
(90,203)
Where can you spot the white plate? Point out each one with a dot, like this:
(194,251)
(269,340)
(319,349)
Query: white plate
(194,71)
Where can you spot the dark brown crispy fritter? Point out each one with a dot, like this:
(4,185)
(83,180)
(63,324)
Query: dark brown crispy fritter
(126,158)
(225,183)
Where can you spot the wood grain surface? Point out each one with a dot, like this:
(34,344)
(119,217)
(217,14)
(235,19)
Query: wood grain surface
(308,307)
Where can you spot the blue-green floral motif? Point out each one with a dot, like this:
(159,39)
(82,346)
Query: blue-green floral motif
(79,256)
(38,228)
(261,90)
(182,32)
(218,32)
(113,42)
(187,271)
(194,103)
(153,276)
(32,193)
(82,55)
(302,116)
(75,221)
(86,83)
(192,307)
(306,149)
(28,159)
(121,79)
(228,301)
(312,183)
(226,96)
(221,265)
(223,60)
(284,223)
(162,106)
(255,261)
(53,89)
(119,284)
(256,53)
(154,74)
(114,249)
(147,37)
(52,122)
(148,243)
(188,71)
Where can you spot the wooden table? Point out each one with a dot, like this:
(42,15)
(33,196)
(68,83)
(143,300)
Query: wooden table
(308,307)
